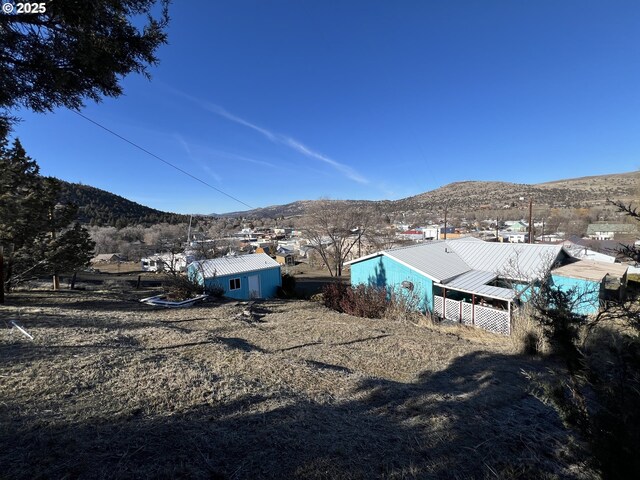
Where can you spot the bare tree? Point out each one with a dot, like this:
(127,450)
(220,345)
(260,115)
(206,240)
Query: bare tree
(333,229)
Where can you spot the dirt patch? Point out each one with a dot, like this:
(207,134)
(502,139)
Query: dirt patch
(113,388)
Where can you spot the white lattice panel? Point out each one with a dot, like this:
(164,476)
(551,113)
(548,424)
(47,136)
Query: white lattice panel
(493,320)
(467,313)
(452,310)
(437,305)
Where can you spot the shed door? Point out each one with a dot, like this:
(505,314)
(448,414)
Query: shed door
(254,286)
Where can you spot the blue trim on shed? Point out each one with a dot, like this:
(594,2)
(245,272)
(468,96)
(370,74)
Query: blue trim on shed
(270,280)
(382,271)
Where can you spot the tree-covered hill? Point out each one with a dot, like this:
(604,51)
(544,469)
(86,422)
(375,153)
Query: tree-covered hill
(99,207)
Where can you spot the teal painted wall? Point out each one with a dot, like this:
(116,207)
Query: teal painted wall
(270,280)
(589,289)
(385,272)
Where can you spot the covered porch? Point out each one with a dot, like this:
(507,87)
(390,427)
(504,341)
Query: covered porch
(470,300)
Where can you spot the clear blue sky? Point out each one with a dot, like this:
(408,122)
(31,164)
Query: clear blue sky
(276,101)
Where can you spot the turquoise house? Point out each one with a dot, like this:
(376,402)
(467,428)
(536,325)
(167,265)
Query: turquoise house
(240,276)
(480,283)
(592,281)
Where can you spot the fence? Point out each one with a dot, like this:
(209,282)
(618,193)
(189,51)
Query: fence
(492,319)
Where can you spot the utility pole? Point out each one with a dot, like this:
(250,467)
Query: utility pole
(498,229)
(446,207)
(531,220)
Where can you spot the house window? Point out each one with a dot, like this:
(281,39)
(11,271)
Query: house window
(234,284)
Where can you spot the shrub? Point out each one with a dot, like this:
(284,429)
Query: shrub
(526,333)
(215,291)
(404,307)
(180,287)
(333,294)
(361,301)
(288,288)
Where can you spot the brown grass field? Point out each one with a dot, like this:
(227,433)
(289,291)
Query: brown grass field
(112,388)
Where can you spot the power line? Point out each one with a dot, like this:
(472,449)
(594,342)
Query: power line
(161,159)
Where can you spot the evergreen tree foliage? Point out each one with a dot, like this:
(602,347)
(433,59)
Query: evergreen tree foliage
(76,49)
(34,228)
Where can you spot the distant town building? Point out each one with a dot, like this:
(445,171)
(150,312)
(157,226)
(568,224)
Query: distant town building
(610,231)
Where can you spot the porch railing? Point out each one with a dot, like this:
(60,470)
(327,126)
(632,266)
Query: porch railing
(492,319)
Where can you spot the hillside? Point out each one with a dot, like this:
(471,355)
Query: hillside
(99,207)
(112,388)
(462,197)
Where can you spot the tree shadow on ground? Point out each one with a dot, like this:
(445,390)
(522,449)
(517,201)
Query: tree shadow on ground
(474,419)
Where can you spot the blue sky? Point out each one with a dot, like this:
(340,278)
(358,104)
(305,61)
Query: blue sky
(277,101)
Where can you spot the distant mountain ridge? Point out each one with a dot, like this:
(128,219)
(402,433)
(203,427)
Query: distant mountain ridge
(470,195)
(102,208)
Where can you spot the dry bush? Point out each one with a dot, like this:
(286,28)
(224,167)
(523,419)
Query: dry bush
(181,287)
(527,335)
(362,301)
(403,307)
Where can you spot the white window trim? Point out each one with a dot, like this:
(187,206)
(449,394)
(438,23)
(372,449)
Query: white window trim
(239,284)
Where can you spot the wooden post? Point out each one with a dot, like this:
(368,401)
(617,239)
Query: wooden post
(56,279)
(446,207)
(444,303)
(531,221)
(138,282)
(473,309)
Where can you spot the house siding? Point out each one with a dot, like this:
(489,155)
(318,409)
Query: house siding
(589,289)
(385,272)
(270,280)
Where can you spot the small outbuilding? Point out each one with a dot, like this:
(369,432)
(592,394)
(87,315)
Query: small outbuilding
(107,258)
(285,259)
(242,277)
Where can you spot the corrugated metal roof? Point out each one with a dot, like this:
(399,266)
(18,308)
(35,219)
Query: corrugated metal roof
(434,259)
(233,265)
(514,261)
(495,292)
(472,279)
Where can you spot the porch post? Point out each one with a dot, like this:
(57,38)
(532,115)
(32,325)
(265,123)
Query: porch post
(473,309)
(509,310)
(444,303)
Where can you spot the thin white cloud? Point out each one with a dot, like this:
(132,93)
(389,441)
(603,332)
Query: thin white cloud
(194,159)
(292,143)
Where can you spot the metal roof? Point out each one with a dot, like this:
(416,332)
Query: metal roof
(475,281)
(515,261)
(469,264)
(472,279)
(233,265)
(434,259)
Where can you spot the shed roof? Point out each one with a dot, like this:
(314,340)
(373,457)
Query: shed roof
(233,265)
(591,270)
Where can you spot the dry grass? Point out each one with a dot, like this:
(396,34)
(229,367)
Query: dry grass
(111,388)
